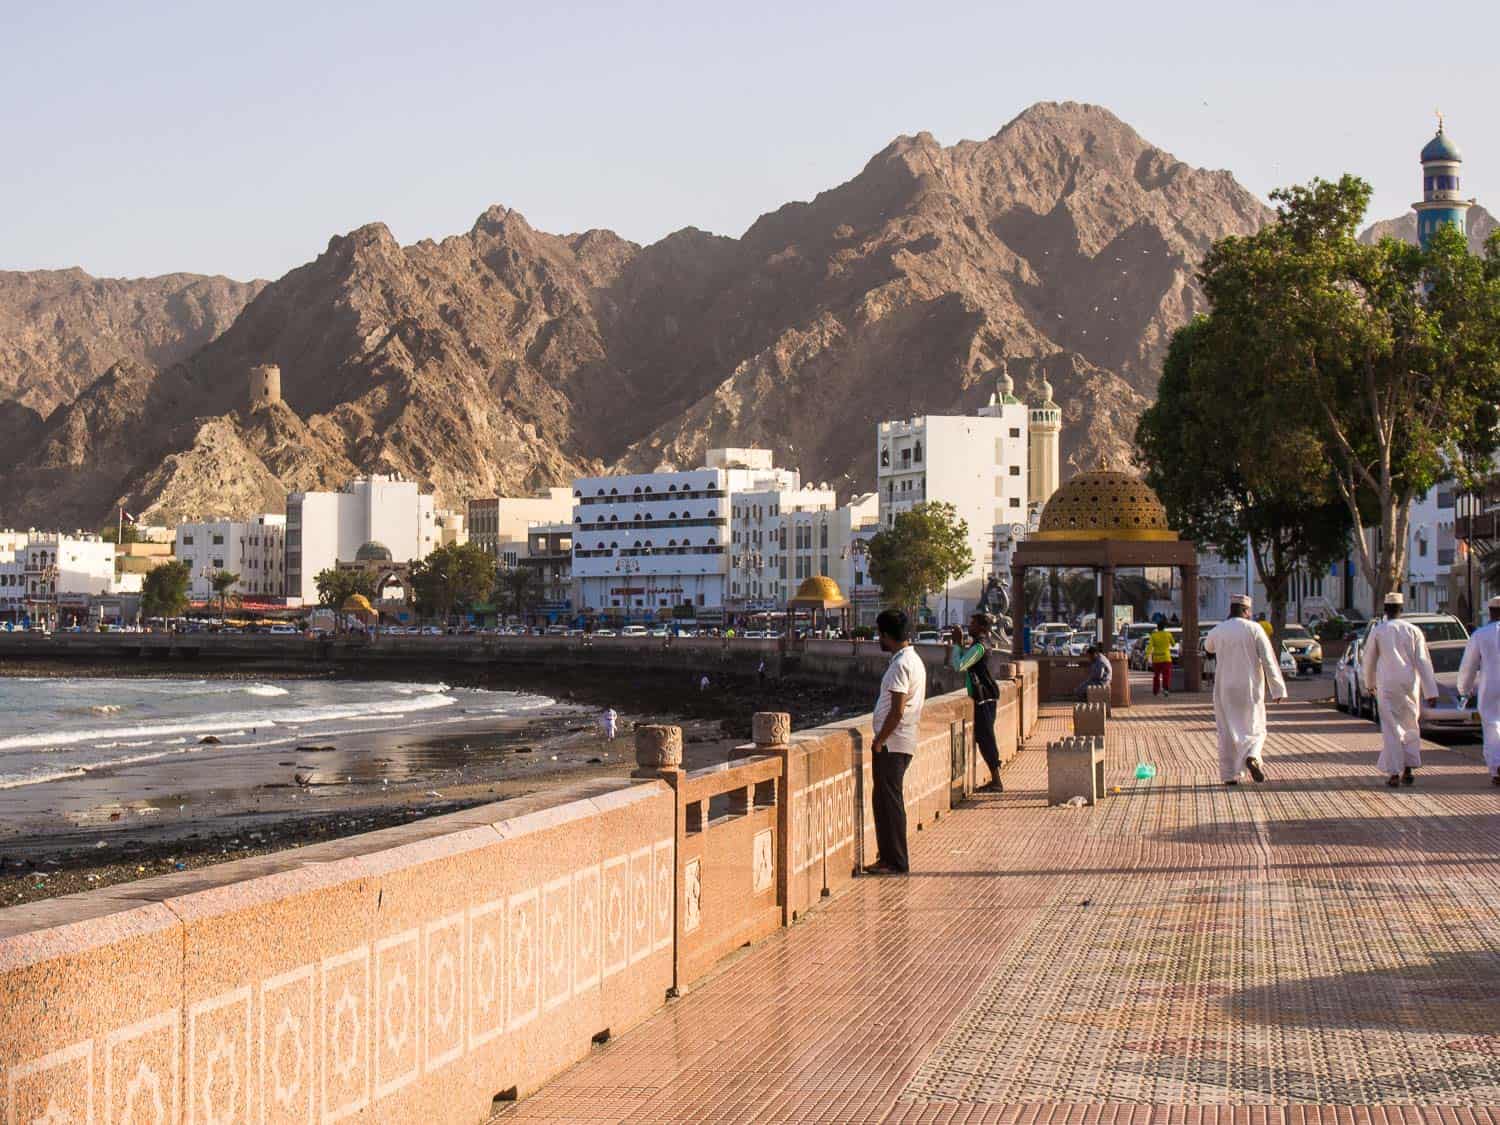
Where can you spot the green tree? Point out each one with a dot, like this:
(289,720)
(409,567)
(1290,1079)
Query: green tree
(335,586)
(223,581)
(925,548)
(164,592)
(1231,459)
(452,577)
(516,589)
(1391,350)
(128,533)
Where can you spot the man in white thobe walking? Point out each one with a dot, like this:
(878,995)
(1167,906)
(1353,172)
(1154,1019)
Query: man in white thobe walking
(1243,665)
(1396,662)
(1480,672)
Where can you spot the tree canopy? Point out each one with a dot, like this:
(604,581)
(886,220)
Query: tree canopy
(1373,366)
(164,591)
(335,586)
(924,548)
(516,589)
(452,577)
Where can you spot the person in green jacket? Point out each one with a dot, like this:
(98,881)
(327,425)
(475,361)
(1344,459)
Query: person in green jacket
(972,661)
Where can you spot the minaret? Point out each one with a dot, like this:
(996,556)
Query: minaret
(1441,202)
(1046,425)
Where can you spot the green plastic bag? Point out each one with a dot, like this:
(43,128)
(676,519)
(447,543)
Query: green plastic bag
(1145,771)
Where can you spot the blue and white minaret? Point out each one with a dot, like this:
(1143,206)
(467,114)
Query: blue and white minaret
(1441,201)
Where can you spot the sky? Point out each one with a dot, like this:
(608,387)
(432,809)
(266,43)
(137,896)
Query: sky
(139,139)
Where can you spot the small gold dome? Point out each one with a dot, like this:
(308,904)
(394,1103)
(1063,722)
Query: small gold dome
(1104,504)
(819,589)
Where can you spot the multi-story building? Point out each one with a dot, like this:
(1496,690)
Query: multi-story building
(823,541)
(500,524)
(978,463)
(254,548)
(51,576)
(761,539)
(549,555)
(325,527)
(654,542)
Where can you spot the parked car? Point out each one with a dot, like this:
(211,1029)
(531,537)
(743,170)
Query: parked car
(659,631)
(1345,679)
(605,633)
(1304,647)
(1438,626)
(1447,717)
(633,631)
(1078,643)
(1288,663)
(282,630)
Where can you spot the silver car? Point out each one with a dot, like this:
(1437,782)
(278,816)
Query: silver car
(1448,717)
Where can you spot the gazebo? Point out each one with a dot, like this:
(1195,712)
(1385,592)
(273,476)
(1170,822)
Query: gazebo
(817,593)
(1103,521)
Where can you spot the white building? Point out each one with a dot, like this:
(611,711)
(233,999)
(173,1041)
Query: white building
(978,463)
(759,566)
(325,527)
(45,575)
(650,542)
(253,548)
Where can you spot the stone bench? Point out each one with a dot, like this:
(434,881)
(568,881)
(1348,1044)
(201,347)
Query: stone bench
(1099,693)
(1075,768)
(1088,718)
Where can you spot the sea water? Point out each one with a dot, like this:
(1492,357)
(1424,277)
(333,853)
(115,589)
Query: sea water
(56,727)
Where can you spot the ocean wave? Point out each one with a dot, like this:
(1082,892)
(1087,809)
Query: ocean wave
(265,690)
(231,721)
(105,708)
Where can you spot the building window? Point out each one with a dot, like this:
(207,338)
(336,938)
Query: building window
(1015,431)
(1015,470)
(187,540)
(1445,498)
(917,452)
(218,541)
(1015,501)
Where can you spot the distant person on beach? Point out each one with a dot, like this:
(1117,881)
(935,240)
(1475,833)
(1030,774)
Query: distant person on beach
(609,723)
(703,684)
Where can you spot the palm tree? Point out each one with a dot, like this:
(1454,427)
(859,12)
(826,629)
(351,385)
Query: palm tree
(223,581)
(517,589)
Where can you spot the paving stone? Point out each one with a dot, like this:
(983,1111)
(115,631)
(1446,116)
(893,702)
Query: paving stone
(1318,950)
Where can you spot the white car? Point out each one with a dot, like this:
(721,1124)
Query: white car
(929,637)
(633,631)
(1288,663)
(282,630)
(605,633)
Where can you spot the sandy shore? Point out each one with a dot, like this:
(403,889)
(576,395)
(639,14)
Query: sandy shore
(116,825)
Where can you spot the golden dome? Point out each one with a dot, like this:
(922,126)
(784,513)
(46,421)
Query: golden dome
(1104,504)
(819,590)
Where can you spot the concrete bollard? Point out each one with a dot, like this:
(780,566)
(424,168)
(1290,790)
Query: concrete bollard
(1088,718)
(658,749)
(771,729)
(1099,693)
(1075,768)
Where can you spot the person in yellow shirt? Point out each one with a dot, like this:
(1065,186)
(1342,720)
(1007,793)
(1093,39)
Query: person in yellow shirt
(1159,653)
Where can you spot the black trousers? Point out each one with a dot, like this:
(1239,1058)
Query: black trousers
(889,803)
(984,733)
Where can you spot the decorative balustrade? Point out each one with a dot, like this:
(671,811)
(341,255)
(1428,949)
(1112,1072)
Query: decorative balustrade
(424,972)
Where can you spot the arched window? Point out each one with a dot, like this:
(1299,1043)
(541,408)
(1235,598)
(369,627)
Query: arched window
(613,518)
(577,494)
(613,545)
(885,457)
(614,492)
(649,516)
(671,542)
(671,488)
(671,515)
(637,490)
(636,518)
(600,492)
(648,490)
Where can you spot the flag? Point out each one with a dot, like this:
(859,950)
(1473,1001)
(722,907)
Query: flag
(124,515)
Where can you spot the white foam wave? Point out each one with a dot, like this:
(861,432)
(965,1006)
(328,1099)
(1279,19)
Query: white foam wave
(232,721)
(265,690)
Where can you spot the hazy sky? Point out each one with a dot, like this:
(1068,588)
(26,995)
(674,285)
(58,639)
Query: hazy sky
(142,138)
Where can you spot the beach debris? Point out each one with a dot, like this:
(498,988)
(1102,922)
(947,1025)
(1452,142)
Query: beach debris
(1076,802)
(209,740)
(101,844)
(302,779)
(595,761)
(314,750)
(286,763)
(147,811)
(433,793)
(523,749)
(115,815)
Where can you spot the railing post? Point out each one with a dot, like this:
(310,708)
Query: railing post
(771,732)
(658,756)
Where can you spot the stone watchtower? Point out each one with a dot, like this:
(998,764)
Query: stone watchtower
(264,386)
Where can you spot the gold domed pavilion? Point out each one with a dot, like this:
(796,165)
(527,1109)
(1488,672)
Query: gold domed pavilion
(1104,504)
(818,593)
(1105,521)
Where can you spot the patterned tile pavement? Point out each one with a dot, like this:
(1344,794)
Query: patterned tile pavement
(1316,949)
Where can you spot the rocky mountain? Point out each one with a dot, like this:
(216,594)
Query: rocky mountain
(1481,225)
(504,358)
(61,329)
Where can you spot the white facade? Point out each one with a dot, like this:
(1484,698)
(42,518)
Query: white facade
(253,548)
(977,463)
(499,524)
(760,564)
(649,542)
(48,572)
(325,527)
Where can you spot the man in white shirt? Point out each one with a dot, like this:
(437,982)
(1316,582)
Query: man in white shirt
(1244,666)
(898,713)
(1480,673)
(1396,662)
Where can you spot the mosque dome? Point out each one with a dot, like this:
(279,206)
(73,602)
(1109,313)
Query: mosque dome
(373,552)
(1007,386)
(1441,148)
(1047,401)
(1104,504)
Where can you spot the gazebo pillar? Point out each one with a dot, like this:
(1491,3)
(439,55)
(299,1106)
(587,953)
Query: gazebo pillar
(1018,619)
(1192,664)
(1107,612)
